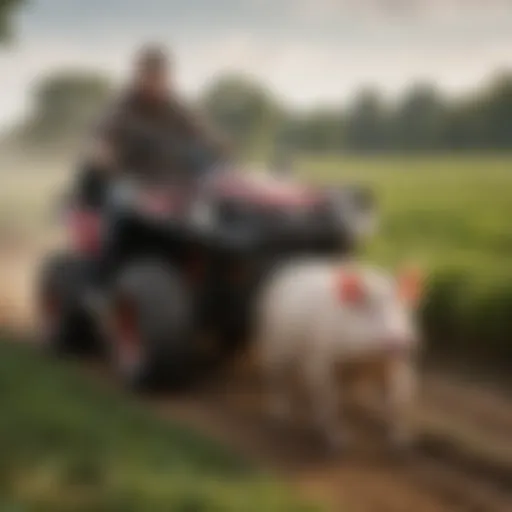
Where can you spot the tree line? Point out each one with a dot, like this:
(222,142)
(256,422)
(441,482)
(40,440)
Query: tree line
(423,119)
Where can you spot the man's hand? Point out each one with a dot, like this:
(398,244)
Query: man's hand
(101,154)
(202,130)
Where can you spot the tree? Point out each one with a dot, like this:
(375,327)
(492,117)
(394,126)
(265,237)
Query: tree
(365,127)
(481,121)
(496,113)
(65,106)
(418,121)
(245,111)
(7,9)
(317,130)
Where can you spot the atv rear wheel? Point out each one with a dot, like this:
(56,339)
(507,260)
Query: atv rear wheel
(149,325)
(65,325)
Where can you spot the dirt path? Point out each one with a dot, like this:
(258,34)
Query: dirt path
(366,479)
(435,478)
(477,404)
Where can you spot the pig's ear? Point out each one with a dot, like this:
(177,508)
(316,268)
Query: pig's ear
(410,283)
(350,287)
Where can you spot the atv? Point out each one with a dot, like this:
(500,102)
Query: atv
(186,260)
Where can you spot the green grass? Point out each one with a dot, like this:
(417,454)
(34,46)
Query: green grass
(66,443)
(453,216)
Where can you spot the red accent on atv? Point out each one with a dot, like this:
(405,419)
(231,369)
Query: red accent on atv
(272,193)
(51,308)
(84,229)
(126,332)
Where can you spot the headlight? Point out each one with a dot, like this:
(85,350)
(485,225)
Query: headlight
(203,214)
(122,193)
(365,211)
(365,224)
(356,210)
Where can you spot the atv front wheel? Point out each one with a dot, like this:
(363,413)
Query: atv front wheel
(65,325)
(149,324)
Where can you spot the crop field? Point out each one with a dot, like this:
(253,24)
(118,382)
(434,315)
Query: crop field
(442,210)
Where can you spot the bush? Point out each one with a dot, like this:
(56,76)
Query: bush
(468,320)
(443,310)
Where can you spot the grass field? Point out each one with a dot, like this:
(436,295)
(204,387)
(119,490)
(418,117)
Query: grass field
(442,210)
(66,444)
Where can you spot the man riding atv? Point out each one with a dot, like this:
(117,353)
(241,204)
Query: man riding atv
(145,132)
(163,265)
(149,135)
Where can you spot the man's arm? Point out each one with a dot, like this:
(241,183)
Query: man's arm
(99,161)
(199,129)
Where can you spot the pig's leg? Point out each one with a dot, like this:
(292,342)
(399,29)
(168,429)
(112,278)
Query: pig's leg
(276,367)
(401,392)
(322,385)
(279,403)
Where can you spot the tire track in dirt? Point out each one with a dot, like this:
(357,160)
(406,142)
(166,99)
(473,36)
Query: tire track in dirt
(476,404)
(366,479)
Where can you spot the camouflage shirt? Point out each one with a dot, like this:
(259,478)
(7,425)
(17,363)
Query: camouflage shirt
(153,139)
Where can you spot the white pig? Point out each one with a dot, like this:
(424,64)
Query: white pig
(316,314)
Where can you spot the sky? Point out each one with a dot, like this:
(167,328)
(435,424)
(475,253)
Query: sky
(307,51)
